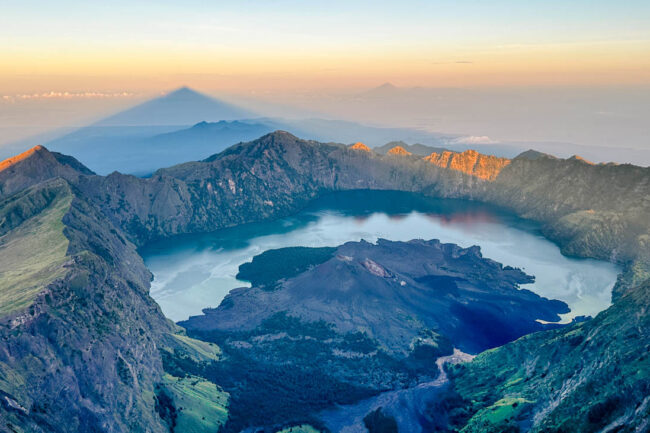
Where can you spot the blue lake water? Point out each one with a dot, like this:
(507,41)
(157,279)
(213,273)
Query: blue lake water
(192,272)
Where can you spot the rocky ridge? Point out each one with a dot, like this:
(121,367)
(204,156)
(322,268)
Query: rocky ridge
(398,151)
(99,329)
(470,162)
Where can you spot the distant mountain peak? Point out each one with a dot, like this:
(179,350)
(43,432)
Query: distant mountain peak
(9,162)
(399,151)
(360,146)
(533,155)
(36,165)
(279,133)
(384,90)
(486,167)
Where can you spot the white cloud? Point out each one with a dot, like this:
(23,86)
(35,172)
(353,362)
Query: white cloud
(67,95)
(474,139)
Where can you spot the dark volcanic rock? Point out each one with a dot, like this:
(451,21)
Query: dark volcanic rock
(393,291)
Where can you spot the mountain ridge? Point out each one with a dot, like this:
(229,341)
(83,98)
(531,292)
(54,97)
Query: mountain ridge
(589,210)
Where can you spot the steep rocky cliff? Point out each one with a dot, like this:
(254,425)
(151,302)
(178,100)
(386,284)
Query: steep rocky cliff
(590,210)
(470,162)
(80,338)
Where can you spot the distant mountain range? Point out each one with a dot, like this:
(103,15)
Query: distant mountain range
(415,149)
(188,125)
(599,124)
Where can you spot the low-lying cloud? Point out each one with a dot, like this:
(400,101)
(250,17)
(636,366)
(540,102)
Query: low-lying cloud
(66,95)
(474,139)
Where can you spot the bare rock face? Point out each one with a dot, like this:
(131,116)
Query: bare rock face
(470,162)
(360,146)
(399,151)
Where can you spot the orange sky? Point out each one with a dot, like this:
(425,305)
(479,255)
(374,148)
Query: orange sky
(597,63)
(152,46)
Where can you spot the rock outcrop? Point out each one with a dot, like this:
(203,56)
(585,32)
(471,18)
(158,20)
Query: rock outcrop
(398,151)
(360,146)
(470,162)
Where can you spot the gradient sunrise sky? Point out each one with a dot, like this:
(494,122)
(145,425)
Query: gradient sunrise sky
(124,45)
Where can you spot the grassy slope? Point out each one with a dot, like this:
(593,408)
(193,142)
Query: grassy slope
(581,378)
(33,249)
(197,350)
(32,254)
(201,405)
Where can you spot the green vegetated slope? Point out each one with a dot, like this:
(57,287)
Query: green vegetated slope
(592,376)
(201,406)
(272,265)
(80,338)
(33,252)
(189,403)
(197,350)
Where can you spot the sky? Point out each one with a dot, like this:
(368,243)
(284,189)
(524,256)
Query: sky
(124,45)
(64,63)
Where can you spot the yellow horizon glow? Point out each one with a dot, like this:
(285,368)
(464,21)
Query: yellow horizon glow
(593,63)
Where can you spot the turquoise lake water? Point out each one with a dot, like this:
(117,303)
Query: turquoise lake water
(192,272)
